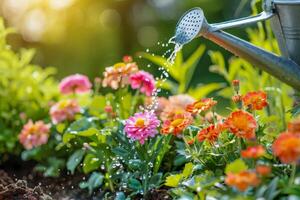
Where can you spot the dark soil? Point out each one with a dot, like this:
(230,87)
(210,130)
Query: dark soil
(11,190)
(18,181)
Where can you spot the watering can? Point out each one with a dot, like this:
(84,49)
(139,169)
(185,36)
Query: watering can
(284,16)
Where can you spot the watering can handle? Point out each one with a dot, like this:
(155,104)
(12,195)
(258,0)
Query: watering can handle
(243,21)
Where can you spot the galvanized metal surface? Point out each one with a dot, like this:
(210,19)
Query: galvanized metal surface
(287,1)
(289,17)
(241,22)
(189,26)
(284,69)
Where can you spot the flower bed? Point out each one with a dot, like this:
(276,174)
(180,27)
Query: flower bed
(128,143)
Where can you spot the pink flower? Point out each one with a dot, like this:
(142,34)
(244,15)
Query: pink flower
(141,126)
(144,81)
(76,83)
(34,134)
(64,110)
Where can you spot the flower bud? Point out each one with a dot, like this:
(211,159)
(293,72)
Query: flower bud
(236,98)
(108,109)
(236,85)
(127,59)
(97,80)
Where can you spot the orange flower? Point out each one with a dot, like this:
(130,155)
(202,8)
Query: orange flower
(210,133)
(263,170)
(174,104)
(242,180)
(294,126)
(118,75)
(255,100)
(34,134)
(242,124)
(177,124)
(253,152)
(287,148)
(201,105)
(191,141)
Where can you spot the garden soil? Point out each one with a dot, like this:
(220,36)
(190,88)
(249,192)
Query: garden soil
(18,181)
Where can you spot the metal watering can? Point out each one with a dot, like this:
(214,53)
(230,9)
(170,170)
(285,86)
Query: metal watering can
(284,16)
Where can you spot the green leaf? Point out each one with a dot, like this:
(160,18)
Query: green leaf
(235,66)
(60,127)
(120,151)
(97,105)
(190,65)
(162,62)
(226,92)
(67,137)
(272,191)
(219,63)
(80,125)
(204,90)
(83,185)
(236,166)
(120,196)
(173,180)
(95,181)
(88,133)
(135,164)
(155,180)
(90,163)
(74,160)
(188,170)
(134,184)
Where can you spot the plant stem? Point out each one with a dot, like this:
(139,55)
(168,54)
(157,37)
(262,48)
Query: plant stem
(134,101)
(110,183)
(240,144)
(293,173)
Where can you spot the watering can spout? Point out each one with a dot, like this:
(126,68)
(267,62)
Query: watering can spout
(284,15)
(282,68)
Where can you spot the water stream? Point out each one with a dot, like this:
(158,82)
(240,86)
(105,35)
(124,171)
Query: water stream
(164,76)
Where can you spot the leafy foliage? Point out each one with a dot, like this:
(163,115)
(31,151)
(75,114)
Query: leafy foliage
(25,91)
(182,72)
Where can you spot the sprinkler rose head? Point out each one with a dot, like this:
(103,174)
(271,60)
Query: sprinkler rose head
(189,26)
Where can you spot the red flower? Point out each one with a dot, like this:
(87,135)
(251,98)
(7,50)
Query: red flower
(263,170)
(242,124)
(242,180)
(253,152)
(201,105)
(287,147)
(294,126)
(255,100)
(177,124)
(210,133)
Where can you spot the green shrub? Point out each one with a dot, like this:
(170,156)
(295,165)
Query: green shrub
(25,92)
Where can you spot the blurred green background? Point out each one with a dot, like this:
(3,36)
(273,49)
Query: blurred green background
(85,36)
